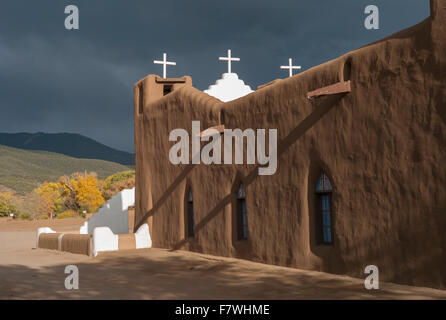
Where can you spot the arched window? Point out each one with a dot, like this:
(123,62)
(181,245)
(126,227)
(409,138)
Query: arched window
(323,210)
(190,214)
(242,219)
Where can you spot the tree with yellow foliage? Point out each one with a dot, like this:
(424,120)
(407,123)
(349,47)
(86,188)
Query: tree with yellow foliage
(88,195)
(6,205)
(36,205)
(52,192)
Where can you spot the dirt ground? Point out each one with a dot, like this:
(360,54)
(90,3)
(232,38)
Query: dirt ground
(29,273)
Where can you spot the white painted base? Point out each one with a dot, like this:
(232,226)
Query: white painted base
(84,228)
(104,240)
(142,237)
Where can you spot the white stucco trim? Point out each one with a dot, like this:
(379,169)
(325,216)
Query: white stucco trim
(142,237)
(84,228)
(113,214)
(59,242)
(228,88)
(104,240)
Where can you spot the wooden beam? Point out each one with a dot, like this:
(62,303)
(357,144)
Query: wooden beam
(170,80)
(210,131)
(340,87)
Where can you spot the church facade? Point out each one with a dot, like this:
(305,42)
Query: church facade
(361,169)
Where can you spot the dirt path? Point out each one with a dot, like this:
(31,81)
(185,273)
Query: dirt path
(31,273)
(70,224)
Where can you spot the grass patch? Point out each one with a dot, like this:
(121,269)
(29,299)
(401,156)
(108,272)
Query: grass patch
(24,170)
(68,214)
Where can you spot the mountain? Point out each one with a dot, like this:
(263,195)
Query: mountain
(70,144)
(24,170)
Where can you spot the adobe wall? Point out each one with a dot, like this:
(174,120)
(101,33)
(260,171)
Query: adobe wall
(76,243)
(382,146)
(48,241)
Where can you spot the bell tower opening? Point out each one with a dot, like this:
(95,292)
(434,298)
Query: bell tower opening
(167,88)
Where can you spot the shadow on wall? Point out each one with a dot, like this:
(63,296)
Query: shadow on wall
(166,195)
(330,255)
(322,106)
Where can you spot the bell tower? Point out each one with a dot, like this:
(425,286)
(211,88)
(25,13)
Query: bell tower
(153,87)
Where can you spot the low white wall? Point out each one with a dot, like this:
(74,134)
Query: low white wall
(113,214)
(105,240)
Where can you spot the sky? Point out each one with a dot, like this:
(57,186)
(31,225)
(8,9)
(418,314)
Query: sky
(81,81)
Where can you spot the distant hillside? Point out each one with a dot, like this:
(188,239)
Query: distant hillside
(73,145)
(24,170)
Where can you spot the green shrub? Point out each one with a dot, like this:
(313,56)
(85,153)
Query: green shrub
(117,177)
(25,216)
(43,217)
(7,208)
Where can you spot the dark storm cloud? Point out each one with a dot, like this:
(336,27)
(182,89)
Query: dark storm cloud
(54,80)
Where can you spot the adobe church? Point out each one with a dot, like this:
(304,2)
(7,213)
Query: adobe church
(361,170)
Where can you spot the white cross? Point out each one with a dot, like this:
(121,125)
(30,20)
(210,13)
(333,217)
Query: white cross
(290,67)
(229,59)
(165,63)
